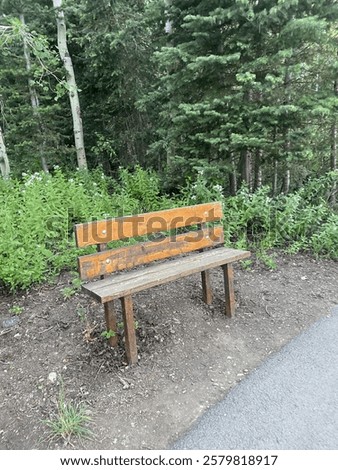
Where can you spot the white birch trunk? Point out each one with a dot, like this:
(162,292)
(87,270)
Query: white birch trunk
(4,163)
(168,24)
(34,98)
(71,82)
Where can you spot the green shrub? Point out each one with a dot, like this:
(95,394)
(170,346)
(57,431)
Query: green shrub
(301,221)
(37,215)
(325,240)
(38,212)
(138,191)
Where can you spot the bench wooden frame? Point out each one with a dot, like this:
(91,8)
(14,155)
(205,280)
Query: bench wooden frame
(205,240)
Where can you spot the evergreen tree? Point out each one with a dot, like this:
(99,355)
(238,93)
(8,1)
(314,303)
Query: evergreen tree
(237,87)
(111,44)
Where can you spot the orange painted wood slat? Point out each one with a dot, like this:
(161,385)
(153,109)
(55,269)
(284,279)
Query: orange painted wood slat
(105,231)
(107,262)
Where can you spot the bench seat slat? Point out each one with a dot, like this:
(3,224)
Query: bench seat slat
(127,283)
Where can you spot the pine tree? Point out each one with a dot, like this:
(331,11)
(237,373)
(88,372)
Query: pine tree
(112,48)
(223,96)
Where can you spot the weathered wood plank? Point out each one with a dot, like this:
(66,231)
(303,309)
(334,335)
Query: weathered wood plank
(206,286)
(104,231)
(107,262)
(111,322)
(123,284)
(129,329)
(229,290)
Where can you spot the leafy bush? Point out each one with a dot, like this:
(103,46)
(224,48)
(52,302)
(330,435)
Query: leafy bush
(299,221)
(37,215)
(38,212)
(140,186)
(200,191)
(325,240)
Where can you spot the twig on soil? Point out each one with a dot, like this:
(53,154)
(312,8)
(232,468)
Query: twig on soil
(4,332)
(87,333)
(47,329)
(267,311)
(98,370)
(125,384)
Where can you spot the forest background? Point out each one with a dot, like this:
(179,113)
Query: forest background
(111,107)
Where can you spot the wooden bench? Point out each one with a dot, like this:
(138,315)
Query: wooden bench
(106,265)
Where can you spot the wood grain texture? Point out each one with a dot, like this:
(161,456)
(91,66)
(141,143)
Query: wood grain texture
(104,231)
(126,283)
(129,329)
(206,286)
(106,262)
(111,322)
(229,290)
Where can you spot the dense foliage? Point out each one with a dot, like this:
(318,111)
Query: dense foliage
(198,99)
(39,213)
(246,87)
(242,89)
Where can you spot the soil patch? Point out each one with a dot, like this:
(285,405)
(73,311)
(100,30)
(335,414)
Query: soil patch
(190,353)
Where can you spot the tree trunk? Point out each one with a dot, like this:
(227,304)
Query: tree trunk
(287,143)
(246,157)
(168,30)
(258,176)
(233,176)
(275,178)
(258,169)
(287,176)
(4,163)
(34,99)
(246,167)
(287,181)
(71,82)
(168,24)
(333,162)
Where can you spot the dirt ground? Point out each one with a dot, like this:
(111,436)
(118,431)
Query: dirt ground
(190,353)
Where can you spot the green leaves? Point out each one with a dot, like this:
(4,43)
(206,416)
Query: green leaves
(37,216)
(304,30)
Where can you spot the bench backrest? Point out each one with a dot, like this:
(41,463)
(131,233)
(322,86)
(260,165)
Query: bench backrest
(101,232)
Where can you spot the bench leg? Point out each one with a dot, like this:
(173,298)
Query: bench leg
(229,290)
(129,329)
(111,323)
(206,284)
